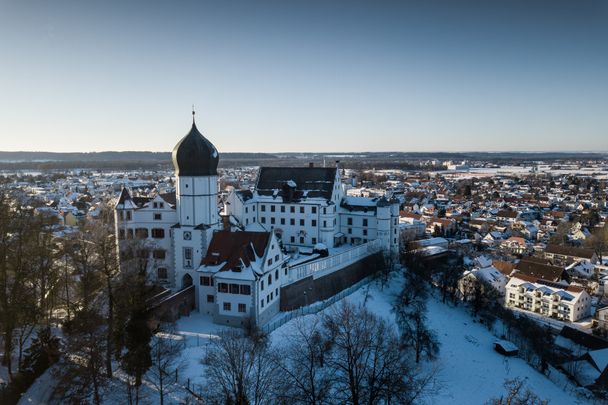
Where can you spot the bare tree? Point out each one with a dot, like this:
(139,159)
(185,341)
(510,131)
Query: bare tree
(239,370)
(369,364)
(85,350)
(517,394)
(166,348)
(306,377)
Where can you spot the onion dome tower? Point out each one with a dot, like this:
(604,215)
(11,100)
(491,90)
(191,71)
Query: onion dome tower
(194,155)
(195,160)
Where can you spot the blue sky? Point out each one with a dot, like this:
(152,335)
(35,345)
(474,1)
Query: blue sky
(305,75)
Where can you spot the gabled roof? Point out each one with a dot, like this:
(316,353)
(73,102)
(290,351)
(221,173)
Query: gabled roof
(234,248)
(169,198)
(569,251)
(541,271)
(507,214)
(296,183)
(584,339)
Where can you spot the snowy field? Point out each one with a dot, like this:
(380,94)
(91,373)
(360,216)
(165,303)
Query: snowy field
(471,372)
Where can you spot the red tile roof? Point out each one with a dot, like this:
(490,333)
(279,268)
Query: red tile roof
(233,247)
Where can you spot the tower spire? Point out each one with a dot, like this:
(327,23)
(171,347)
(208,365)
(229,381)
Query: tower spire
(193,112)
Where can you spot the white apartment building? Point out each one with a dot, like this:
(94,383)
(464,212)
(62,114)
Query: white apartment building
(549,299)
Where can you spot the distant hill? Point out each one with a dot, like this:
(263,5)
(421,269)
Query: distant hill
(133,160)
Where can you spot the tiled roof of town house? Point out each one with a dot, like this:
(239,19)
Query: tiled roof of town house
(169,198)
(407,214)
(541,271)
(569,251)
(231,248)
(296,183)
(507,214)
(505,268)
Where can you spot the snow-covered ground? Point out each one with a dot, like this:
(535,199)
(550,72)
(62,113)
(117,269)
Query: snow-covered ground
(470,371)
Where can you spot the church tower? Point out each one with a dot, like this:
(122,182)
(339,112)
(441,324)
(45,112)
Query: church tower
(195,160)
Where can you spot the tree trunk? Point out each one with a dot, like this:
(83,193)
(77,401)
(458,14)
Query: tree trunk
(110,331)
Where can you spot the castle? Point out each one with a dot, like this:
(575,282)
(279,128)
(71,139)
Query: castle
(296,237)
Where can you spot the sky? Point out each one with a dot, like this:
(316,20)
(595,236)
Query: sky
(310,76)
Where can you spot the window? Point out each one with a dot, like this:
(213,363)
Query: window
(129,233)
(364,221)
(267,299)
(272,208)
(350,230)
(269,262)
(276,292)
(276,274)
(282,221)
(324,224)
(313,209)
(158,233)
(129,215)
(262,285)
(263,208)
(292,239)
(205,280)
(234,288)
(242,308)
(121,234)
(187,258)
(292,209)
(227,306)
(141,233)
(222,287)
(162,273)
(158,216)
(245,289)
(269,279)
(365,232)
(246,210)
(262,303)
(292,221)
(161,205)
(210,299)
(158,254)
(263,220)
(301,222)
(301,210)
(253,208)
(272,295)
(282,208)
(276,258)
(155,205)
(301,239)
(314,222)
(272,220)
(324,210)
(314,241)
(349,221)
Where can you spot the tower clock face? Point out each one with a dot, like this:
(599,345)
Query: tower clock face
(187,235)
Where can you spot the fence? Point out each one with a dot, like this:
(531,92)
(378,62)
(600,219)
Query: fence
(285,317)
(321,267)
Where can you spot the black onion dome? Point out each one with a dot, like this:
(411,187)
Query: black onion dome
(194,155)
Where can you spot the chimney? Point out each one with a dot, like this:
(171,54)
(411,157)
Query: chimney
(337,164)
(311,165)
